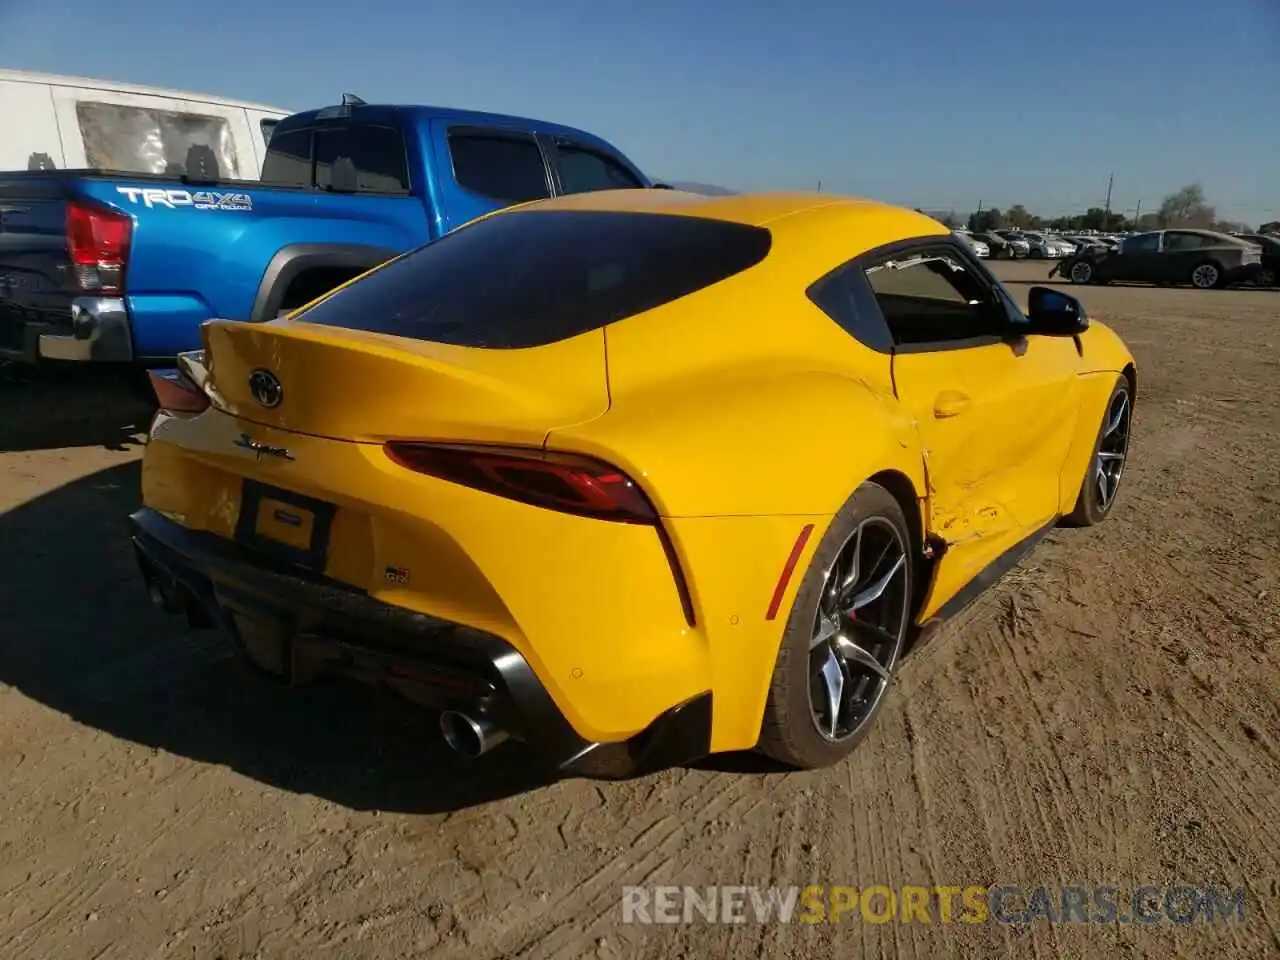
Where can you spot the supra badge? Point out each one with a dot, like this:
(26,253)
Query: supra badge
(260,450)
(266,388)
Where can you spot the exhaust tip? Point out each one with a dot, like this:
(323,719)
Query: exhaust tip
(469,736)
(166,593)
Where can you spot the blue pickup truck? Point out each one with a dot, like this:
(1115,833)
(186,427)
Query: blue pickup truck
(118,267)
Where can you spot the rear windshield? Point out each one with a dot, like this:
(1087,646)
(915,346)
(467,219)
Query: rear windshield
(530,278)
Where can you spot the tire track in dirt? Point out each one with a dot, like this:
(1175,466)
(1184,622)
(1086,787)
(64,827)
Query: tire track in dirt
(560,925)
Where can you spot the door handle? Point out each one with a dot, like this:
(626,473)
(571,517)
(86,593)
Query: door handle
(950,403)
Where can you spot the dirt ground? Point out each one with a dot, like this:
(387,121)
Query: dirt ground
(1108,714)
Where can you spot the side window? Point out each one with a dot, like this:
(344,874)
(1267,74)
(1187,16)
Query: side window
(500,166)
(1175,241)
(1143,243)
(934,297)
(288,160)
(268,128)
(845,297)
(151,140)
(583,170)
(361,159)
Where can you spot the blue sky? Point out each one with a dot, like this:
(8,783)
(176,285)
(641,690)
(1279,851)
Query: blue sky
(932,103)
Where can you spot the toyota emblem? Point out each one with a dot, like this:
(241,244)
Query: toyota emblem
(266,389)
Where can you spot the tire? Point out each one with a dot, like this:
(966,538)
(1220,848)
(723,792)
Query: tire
(799,699)
(1092,505)
(1081,272)
(1267,278)
(1207,276)
(1036,254)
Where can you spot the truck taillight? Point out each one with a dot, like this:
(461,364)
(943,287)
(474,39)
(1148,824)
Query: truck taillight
(98,241)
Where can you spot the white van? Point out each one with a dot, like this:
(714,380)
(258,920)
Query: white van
(65,123)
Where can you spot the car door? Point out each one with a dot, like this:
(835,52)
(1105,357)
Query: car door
(996,409)
(1179,254)
(1138,259)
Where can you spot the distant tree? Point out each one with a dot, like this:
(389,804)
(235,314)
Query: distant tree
(1148,221)
(947,218)
(1272,226)
(1020,217)
(1187,208)
(984,221)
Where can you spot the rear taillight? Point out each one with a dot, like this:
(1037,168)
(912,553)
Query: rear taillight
(565,482)
(98,241)
(176,393)
(558,481)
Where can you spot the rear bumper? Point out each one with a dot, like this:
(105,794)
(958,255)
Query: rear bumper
(1245,273)
(93,330)
(299,625)
(100,333)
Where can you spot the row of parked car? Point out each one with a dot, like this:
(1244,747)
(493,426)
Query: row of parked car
(1206,259)
(1034,244)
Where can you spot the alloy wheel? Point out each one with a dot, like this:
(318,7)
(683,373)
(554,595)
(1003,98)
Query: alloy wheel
(1205,276)
(858,629)
(1081,272)
(1113,448)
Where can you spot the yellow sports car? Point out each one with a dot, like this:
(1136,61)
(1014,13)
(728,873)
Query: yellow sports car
(632,476)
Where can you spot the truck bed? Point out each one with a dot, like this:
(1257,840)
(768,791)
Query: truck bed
(196,249)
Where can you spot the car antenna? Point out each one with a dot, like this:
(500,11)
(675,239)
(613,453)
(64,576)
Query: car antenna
(351,100)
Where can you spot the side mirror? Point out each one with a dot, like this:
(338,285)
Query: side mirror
(1054,313)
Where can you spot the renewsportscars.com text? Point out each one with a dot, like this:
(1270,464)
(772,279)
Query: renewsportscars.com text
(1009,904)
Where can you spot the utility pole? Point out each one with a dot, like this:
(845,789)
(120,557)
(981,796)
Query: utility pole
(1137,216)
(1106,216)
(819,186)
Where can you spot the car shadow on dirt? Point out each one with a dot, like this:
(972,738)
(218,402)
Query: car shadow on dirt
(57,408)
(81,637)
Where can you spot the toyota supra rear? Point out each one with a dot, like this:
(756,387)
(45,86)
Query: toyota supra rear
(631,476)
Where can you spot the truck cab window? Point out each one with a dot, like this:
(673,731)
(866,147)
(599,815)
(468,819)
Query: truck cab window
(288,160)
(361,158)
(583,170)
(499,166)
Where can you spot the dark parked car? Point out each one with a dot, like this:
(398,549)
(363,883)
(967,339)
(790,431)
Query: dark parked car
(1001,249)
(1203,258)
(1269,276)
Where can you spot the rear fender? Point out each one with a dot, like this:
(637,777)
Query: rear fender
(758,473)
(797,443)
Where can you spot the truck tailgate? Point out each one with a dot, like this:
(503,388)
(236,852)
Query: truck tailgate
(36,281)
